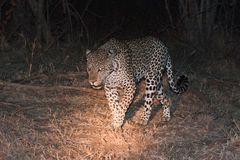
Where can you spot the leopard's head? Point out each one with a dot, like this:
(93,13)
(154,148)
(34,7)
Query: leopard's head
(100,64)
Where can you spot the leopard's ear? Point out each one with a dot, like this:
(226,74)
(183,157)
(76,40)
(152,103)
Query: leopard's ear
(112,52)
(88,51)
(115,65)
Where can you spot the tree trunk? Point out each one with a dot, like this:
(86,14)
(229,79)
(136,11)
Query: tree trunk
(198,19)
(42,27)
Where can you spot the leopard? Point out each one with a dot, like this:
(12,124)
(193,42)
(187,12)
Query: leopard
(119,65)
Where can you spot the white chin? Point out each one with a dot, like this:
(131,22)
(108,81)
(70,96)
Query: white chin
(96,87)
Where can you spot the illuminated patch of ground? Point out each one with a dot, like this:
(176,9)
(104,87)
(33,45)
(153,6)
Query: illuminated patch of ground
(59,122)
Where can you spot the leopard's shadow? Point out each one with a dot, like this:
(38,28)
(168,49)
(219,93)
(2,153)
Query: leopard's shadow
(135,106)
(138,104)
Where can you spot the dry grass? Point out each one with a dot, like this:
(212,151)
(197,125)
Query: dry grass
(60,122)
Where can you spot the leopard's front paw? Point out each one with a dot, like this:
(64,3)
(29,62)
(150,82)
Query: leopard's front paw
(117,126)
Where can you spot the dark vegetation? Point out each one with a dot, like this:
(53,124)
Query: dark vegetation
(48,110)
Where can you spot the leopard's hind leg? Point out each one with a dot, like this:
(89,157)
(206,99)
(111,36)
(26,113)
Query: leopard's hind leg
(162,98)
(150,91)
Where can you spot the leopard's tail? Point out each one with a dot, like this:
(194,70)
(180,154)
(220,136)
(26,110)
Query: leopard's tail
(178,85)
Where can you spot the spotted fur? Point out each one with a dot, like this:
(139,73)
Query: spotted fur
(119,65)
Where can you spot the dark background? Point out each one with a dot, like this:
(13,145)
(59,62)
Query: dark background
(91,20)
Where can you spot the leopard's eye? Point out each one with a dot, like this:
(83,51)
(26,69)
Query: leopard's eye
(88,69)
(99,69)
